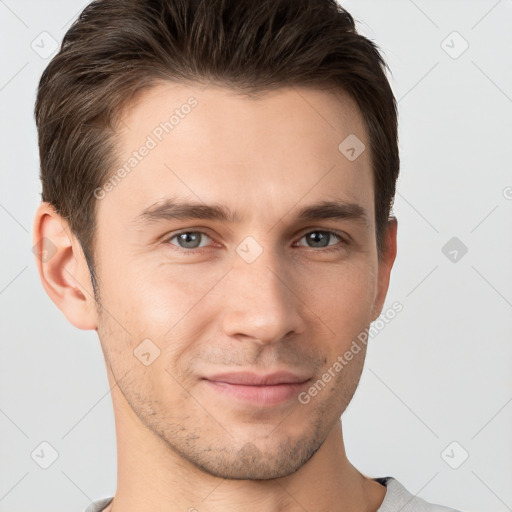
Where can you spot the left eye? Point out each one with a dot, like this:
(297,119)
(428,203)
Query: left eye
(188,241)
(320,238)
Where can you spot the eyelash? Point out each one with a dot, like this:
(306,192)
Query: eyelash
(192,252)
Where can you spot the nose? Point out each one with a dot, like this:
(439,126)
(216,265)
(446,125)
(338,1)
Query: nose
(262,301)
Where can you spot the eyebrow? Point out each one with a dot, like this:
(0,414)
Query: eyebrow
(175,209)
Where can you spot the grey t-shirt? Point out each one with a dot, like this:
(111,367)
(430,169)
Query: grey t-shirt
(397,499)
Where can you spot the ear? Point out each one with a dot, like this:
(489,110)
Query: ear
(63,268)
(385,266)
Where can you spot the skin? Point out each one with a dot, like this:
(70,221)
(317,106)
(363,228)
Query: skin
(181,445)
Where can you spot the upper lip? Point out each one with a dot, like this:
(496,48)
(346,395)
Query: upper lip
(253,379)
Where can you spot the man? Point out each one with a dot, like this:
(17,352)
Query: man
(217,183)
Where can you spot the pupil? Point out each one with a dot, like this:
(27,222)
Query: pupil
(318,236)
(187,238)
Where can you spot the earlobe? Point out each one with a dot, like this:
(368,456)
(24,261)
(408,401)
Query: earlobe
(385,266)
(62,268)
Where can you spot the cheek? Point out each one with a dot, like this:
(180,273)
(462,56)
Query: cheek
(171,306)
(155,295)
(341,295)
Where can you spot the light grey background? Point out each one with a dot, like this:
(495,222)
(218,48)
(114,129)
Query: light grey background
(436,374)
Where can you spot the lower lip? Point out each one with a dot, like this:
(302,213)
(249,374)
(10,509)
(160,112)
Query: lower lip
(258,395)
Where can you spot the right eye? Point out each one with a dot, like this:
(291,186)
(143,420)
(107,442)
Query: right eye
(189,241)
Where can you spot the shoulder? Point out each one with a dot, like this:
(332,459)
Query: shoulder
(98,506)
(398,498)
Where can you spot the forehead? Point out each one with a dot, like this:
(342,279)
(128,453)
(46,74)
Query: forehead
(264,153)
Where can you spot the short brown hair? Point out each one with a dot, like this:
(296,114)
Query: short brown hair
(117,48)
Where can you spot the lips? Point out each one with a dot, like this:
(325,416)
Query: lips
(253,379)
(257,390)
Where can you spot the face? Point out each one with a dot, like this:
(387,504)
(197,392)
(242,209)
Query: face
(242,283)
